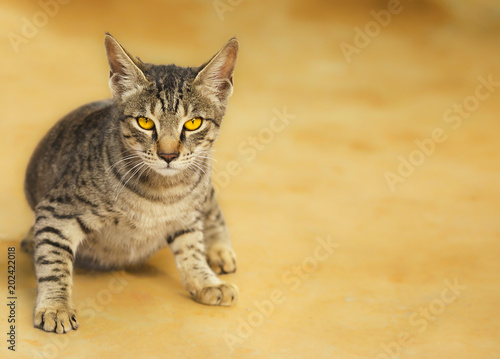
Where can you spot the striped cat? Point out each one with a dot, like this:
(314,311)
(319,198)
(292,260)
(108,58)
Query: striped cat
(116,180)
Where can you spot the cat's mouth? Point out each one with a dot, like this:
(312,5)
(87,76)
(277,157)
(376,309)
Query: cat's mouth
(166,170)
(174,168)
(170,169)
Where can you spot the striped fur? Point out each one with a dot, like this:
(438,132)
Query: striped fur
(104,197)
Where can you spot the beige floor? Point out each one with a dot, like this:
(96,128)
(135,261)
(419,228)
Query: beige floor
(368,227)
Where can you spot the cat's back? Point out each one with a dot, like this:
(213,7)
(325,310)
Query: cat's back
(58,148)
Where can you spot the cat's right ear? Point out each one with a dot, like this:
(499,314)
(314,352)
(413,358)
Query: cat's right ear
(125,76)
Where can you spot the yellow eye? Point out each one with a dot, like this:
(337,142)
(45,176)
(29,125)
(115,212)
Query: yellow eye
(193,124)
(145,123)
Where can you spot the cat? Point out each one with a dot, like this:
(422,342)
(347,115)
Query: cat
(117,180)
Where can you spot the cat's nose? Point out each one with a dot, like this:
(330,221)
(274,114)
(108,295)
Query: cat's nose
(168,157)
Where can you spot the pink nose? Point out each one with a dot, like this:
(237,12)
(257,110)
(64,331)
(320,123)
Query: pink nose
(168,157)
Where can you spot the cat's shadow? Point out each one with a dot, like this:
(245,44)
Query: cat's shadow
(138,270)
(144,270)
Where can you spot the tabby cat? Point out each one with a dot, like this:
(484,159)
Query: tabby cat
(116,180)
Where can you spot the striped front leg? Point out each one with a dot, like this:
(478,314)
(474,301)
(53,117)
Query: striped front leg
(220,254)
(197,277)
(56,238)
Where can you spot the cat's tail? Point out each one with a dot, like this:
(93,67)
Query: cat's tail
(28,242)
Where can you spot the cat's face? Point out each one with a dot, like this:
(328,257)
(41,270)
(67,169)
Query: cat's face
(171,128)
(170,115)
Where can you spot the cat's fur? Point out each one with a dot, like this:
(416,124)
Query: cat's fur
(107,193)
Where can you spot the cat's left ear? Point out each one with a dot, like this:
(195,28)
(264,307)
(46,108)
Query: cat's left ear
(215,78)
(125,76)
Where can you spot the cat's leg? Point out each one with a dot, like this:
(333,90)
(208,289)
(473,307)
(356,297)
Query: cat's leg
(197,277)
(220,254)
(56,238)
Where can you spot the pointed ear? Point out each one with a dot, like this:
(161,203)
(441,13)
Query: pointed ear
(125,76)
(216,77)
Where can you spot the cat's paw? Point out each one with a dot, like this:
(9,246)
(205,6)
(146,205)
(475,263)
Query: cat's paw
(223,294)
(59,318)
(221,259)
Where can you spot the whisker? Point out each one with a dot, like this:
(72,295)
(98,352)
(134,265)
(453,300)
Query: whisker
(145,169)
(123,159)
(203,164)
(128,150)
(210,158)
(131,176)
(201,169)
(121,180)
(199,162)
(191,169)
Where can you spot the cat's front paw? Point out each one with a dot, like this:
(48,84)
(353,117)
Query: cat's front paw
(221,259)
(223,294)
(59,318)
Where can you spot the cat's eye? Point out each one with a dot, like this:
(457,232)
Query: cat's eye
(193,124)
(145,123)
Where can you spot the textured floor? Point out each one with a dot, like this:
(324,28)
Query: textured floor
(358,172)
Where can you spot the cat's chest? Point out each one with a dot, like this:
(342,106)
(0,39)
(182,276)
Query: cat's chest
(152,218)
(134,233)
(142,223)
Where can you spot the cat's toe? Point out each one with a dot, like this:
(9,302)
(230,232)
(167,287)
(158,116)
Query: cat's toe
(60,318)
(221,259)
(224,294)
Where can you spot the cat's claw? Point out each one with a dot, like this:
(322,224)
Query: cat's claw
(60,318)
(224,294)
(221,259)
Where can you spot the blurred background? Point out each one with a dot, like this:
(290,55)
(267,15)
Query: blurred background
(365,130)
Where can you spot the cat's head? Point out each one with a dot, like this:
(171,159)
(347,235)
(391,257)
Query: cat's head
(170,115)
